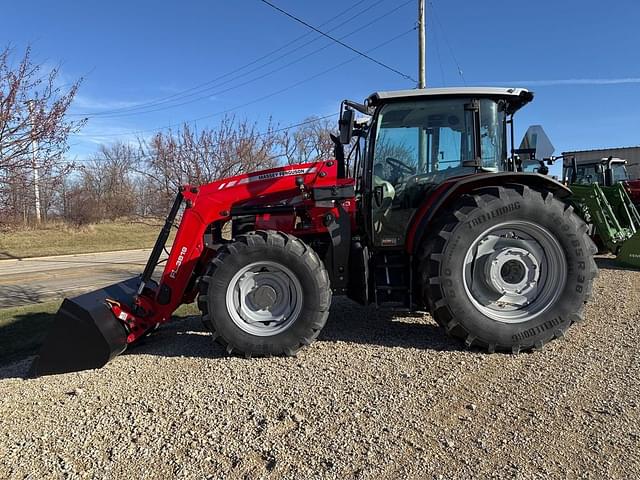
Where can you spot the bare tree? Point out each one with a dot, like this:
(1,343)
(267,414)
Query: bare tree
(123,180)
(310,142)
(32,112)
(105,187)
(191,156)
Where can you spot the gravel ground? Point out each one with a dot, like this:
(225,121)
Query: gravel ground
(375,397)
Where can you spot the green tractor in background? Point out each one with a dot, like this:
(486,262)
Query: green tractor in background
(603,202)
(601,194)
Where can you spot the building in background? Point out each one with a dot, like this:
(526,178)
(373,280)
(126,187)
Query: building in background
(630,154)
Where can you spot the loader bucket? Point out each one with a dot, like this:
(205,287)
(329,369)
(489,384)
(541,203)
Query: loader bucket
(629,253)
(85,333)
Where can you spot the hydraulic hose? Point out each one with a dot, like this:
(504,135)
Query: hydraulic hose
(160,242)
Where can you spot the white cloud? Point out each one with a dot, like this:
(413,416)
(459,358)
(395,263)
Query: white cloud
(90,103)
(101,132)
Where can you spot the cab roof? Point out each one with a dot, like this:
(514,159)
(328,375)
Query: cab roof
(516,97)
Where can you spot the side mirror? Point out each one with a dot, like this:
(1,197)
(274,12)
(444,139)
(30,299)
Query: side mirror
(345,125)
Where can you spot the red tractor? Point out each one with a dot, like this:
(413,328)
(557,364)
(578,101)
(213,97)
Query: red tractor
(426,211)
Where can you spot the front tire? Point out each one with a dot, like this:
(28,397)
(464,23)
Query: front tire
(509,268)
(267,293)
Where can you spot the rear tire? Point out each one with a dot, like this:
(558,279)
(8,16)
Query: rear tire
(510,268)
(267,293)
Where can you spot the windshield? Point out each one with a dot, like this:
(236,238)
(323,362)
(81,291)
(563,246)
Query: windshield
(593,173)
(619,172)
(437,137)
(587,174)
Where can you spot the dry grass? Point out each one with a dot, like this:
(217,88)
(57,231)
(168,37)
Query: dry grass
(61,239)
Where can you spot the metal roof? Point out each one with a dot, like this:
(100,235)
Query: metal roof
(427,92)
(519,96)
(604,149)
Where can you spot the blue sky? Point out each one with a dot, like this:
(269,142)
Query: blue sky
(581,57)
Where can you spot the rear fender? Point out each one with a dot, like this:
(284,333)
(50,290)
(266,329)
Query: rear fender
(448,192)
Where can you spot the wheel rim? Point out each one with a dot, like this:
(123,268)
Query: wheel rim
(264,298)
(514,271)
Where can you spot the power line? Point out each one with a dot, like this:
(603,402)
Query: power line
(435,41)
(259,99)
(362,54)
(263,75)
(446,40)
(200,86)
(262,134)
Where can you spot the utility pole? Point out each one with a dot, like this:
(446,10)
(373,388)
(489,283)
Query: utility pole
(422,45)
(422,82)
(34,162)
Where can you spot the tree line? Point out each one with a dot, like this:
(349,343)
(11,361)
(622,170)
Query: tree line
(123,179)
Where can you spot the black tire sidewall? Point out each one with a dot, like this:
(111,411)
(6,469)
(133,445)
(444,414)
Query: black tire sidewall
(311,315)
(511,206)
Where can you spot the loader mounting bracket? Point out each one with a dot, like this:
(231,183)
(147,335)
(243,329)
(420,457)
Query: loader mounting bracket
(338,255)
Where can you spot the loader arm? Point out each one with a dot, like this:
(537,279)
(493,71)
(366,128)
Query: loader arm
(154,306)
(596,208)
(308,200)
(310,188)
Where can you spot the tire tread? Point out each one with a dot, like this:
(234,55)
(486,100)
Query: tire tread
(430,257)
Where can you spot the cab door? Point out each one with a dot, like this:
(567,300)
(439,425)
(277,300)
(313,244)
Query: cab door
(417,145)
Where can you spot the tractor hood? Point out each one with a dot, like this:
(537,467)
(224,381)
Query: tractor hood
(274,185)
(265,177)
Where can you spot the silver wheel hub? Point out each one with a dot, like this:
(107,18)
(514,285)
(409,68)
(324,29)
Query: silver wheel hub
(264,298)
(514,271)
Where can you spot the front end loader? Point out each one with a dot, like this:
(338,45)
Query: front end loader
(614,217)
(427,211)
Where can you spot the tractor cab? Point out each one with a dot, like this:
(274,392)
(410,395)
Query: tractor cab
(607,172)
(414,140)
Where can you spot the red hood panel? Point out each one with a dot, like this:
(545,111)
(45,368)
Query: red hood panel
(309,171)
(633,187)
(274,184)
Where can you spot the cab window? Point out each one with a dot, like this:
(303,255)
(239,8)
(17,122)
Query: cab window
(436,137)
(418,145)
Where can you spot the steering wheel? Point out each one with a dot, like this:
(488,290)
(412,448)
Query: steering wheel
(394,162)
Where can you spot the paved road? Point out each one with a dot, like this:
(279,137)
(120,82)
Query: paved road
(33,280)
